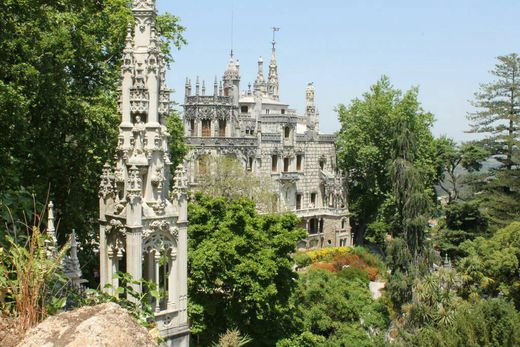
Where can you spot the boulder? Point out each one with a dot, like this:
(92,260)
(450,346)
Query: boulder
(101,325)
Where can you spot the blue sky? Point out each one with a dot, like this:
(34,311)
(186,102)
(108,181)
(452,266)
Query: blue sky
(446,48)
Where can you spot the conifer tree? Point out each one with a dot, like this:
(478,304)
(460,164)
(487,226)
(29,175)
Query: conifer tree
(498,109)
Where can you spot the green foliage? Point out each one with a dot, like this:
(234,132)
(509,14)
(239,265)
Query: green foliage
(302,259)
(499,197)
(336,311)
(370,130)
(485,323)
(240,269)
(232,338)
(492,266)
(176,144)
(30,278)
(451,159)
(464,221)
(59,73)
(498,109)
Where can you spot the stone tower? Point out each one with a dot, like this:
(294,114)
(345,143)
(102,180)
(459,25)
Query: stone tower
(143,230)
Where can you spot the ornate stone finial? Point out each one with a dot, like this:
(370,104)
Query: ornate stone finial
(215,87)
(203,88)
(197,86)
(71,265)
(134,183)
(106,187)
(180,185)
(51,230)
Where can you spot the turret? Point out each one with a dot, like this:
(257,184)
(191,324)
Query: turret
(311,113)
(259,85)
(232,80)
(272,80)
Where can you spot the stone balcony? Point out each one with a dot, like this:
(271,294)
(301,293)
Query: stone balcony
(221,141)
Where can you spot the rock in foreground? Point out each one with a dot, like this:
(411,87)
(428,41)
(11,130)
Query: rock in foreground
(96,326)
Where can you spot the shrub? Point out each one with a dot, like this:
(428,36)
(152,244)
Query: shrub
(327,254)
(352,273)
(302,259)
(324,266)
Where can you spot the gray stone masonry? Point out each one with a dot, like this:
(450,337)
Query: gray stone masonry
(270,139)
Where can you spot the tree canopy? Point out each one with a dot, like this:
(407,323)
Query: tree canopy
(240,269)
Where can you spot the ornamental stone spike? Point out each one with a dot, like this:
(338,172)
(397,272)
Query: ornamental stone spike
(51,240)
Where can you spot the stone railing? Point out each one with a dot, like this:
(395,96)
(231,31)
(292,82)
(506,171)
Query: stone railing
(221,141)
(208,100)
(324,211)
(271,137)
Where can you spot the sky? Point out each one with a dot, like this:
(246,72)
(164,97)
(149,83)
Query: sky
(446,48)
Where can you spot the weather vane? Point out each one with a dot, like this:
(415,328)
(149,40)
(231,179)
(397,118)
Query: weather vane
(275,29)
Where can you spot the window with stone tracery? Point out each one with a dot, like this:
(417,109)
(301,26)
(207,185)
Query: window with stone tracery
(206,128)
(222,128)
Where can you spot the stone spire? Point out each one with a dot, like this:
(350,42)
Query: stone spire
(232,80)
(51,241)
(311,114)
(139,222)
(272,80)
(71,265)
(259,85)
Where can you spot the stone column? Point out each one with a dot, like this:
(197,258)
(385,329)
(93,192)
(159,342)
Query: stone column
(157,263)
(133,257)
(103,258)
(182,276)
(173,296)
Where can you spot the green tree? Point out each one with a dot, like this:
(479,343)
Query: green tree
(498,109)
(366,144)
(176,144)
(59,73)
(334,311)
(240,270)
(492,266)
(464,221)
(452,158)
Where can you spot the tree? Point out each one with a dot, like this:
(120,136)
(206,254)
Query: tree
(334,311)
(452,158)
(240,270)
(227,177)
(366,143)
(464,221)
(176,144)
(59,72)
(498,105)
(492,266)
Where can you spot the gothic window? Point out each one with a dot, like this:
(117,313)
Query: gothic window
(286,162)
(287,132)
(299,160)
(298,201)
(274,163)
(313,199)
(250,164)
(244,109)
(222,128)
(313,226)
(192,127)
(322,163)
(203,164)
(283,110)
(321,225)
(267,111)
(206,128)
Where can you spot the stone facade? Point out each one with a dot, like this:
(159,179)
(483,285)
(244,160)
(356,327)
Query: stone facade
(271,139)
(143,230)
